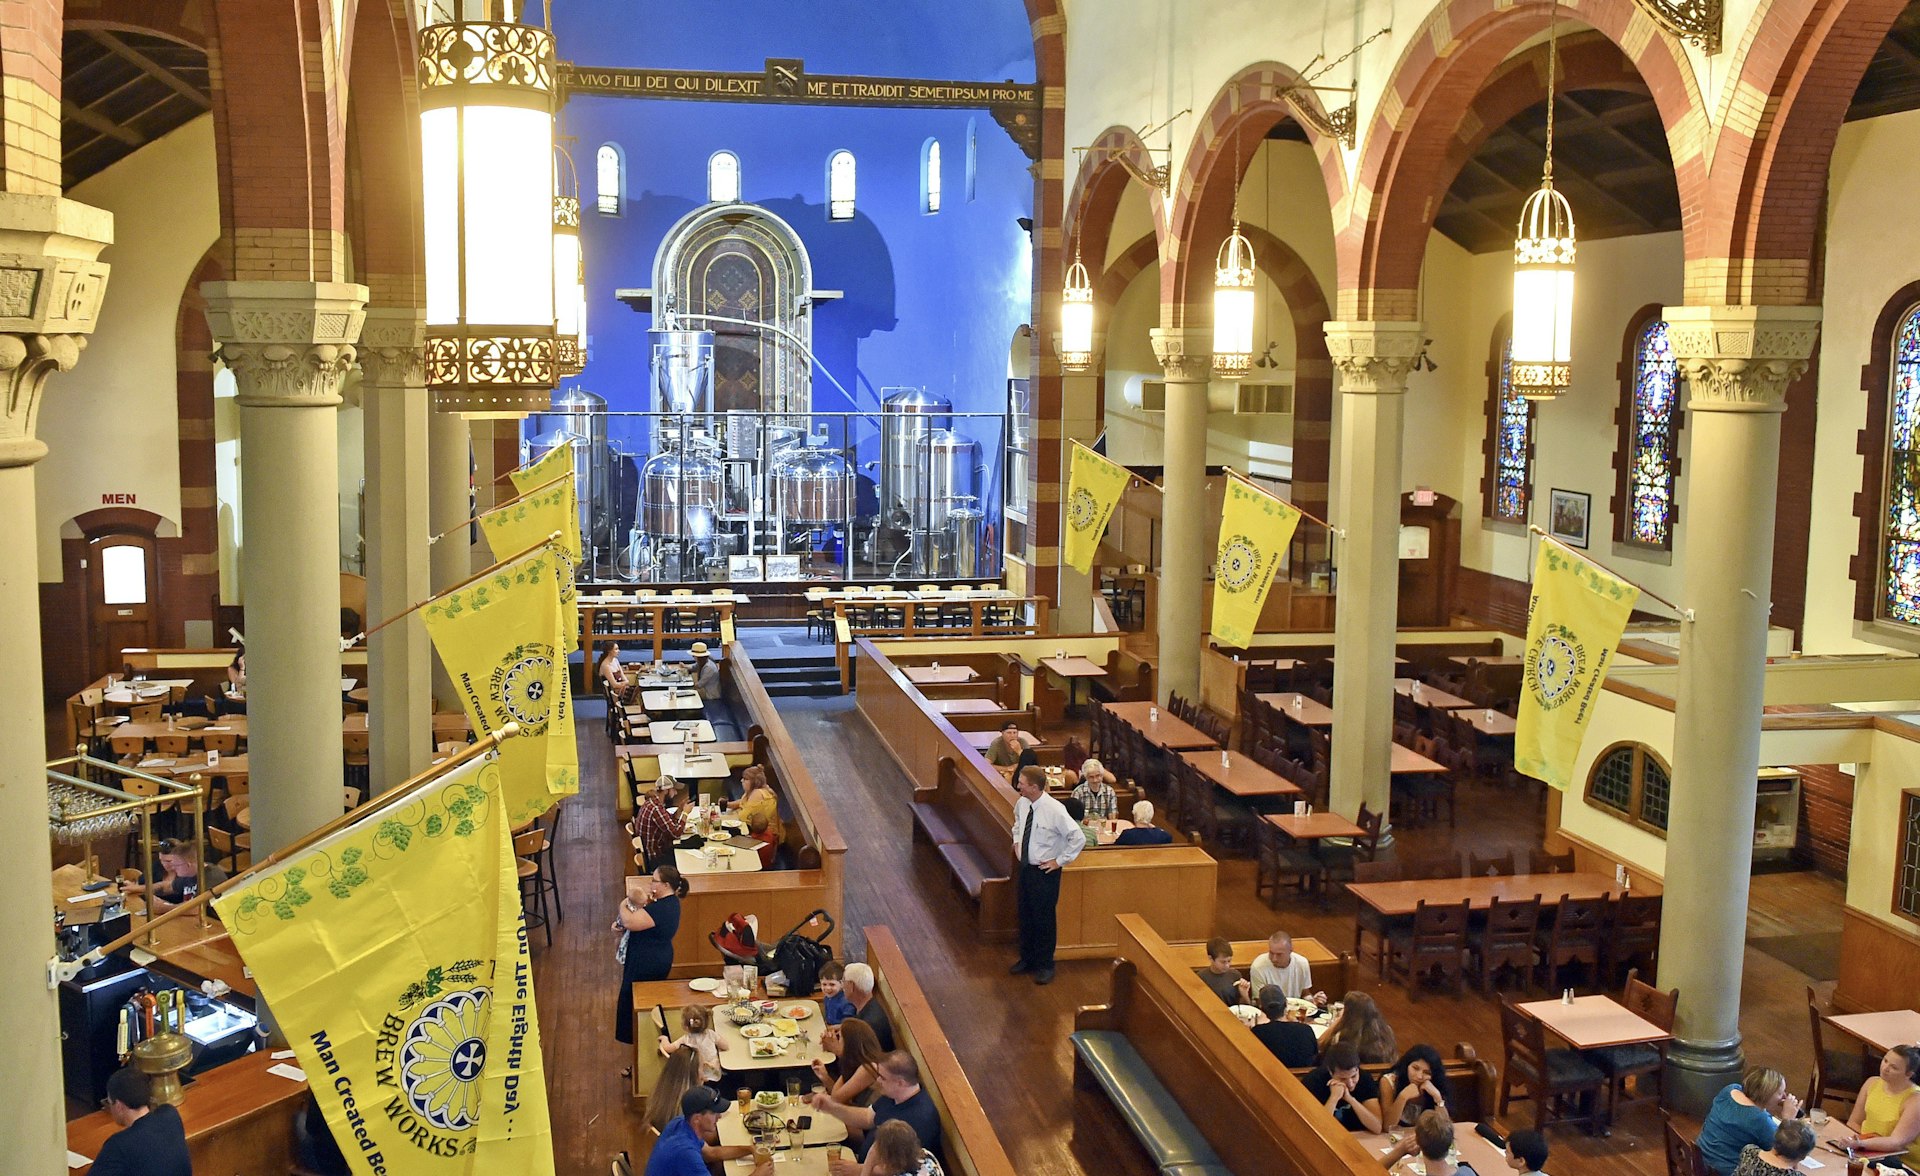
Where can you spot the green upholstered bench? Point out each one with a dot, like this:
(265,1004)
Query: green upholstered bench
(1109,1060)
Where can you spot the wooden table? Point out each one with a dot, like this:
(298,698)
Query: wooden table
(173,935)
(684,699)
(1241,776)
(1279,664)
(225,726)
(1073,670)
(359,694)
(705,764)
(1299,708)
(447,725)
(799,1055)
(811,1161)
(147,694)
(931,675)
(1408,762)
(1398,899)
(193,763)
(1475,1151)
(677,730)
(1313,826)
(964,706)
(825,1129)
(238,1118)
(1881,1031)
(740,861)
(1167,732)
(1427,695)
(1491,723)
(1593,1022)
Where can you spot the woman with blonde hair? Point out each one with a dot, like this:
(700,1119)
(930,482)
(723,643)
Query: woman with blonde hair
(1744,1112)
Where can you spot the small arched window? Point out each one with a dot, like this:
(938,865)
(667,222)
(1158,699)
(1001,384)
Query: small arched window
(840,191)
(930,176)
(1632,782)
(610,175)
(723,178)
(1900,584)
(1649,434)
(973,160)
(1508,489)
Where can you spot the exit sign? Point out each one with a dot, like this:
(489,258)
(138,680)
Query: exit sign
(118,499)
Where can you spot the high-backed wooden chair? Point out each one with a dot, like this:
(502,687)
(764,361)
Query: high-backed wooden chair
(1633,933)
(1838,1074)
(1437,942)
(527,848)
(1547,1077)
(1506,941)
(1493,864)
(1622,1062)
(1683,1158)
(1576,936)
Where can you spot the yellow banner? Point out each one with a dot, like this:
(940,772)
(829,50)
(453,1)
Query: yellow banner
(1094,486)
(499,639)
(556,461)
(1574,623)
(394,954)
(532,517)
(1255,528)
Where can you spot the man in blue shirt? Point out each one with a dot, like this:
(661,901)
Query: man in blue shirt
(677,1153)
(897,1078)
(1045,839)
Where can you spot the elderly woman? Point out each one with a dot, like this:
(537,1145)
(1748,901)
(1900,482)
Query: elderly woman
(1144,831)
(1745,1112)
(1792,1143)
(1095,791)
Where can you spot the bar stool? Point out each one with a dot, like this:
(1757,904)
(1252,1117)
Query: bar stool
(534,883)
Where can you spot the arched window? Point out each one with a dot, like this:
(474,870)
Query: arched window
(1648,456)
(723,178)
(1508,488)
(1900,591)
(930,176)
(1632,782)
(610,176)
(840,186)
(973,160)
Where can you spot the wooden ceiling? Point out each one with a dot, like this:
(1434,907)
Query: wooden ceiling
(1892,81)
(121,91)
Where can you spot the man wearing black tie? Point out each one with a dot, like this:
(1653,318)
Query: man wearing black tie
(1045,839)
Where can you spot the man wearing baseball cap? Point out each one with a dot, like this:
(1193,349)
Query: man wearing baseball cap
(681,1148)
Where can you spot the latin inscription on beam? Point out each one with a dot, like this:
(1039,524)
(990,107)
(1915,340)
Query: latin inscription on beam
(788,81)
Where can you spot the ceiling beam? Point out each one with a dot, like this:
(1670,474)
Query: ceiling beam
(161,73)
(93,120)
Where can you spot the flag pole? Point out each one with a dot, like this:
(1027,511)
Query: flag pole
(1686,614)
(385,800)
(479,575)
(1270,494)
(1133,479)
(433,539)
(527,465)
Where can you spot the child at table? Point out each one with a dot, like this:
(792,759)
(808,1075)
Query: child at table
(696,1023)
(834,1005)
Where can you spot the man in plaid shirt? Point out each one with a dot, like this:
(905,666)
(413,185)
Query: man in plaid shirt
(654,828)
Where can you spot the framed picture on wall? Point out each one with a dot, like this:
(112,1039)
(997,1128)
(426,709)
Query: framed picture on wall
(1567,512)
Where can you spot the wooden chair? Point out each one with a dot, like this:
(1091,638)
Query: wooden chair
(145,713)
(1373,872)
(1437,941)
(127,748)
(356,750)
(1276,858)
(1506,941)
(1339,862)
(1579,927)
(1499,864)
(1547,1077)
(1683,1158)
(349,798)
(527,848)
(225,854)
(1542,862)
(224,742)
(1838,1074)
(174,744)
(1633,933)
(1622,1062)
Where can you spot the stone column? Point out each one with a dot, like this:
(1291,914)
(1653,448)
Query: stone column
(449,475)
(1079,418)
(288,345)
(1737,362)
(1187,537)
(1373,360)
(399,665)
(50,290)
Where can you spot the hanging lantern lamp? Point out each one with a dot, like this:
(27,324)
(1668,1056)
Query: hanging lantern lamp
(1076,318)
(1543,277)
(569,270)
(1233,307)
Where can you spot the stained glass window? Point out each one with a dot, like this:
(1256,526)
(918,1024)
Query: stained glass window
(1907,880)
(723,177)
(1629,781)
(1656,788)
(840,176)
(1650,453)
(1612,783)
(1902,583)
(606,169)
(1511,424)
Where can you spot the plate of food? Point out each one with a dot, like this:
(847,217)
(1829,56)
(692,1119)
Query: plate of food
(1247,1013)
(756,1031)
(797,1012)
(769,1098)
(719,849)
(765,1048)
(703,984)
(1301,1007)
(785,1027)
(769,1007)
(743,1014)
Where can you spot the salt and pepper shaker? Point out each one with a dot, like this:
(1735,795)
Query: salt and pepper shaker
(1566,997)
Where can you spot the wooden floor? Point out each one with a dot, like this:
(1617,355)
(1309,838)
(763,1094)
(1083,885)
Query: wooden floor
(1011,1035)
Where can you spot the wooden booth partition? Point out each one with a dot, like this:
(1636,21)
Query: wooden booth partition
(1253,1112)
(238,1119)
(970,1144)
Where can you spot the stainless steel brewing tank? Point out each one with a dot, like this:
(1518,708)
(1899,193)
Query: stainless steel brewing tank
(682,370)
(679,495)
(583,417)
(907,416)
(811,487)
(947,466)
(965,522)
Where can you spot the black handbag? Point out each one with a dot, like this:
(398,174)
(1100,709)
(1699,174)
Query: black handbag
(801,957)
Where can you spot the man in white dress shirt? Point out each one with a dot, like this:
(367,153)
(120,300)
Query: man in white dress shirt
(1045,839)
(1281,967)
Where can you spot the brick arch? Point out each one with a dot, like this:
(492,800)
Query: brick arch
(1049,25)
(191,571)
(1244,110)
(280,146)
(383,141)
(1449,59)
(1797,65)
(1101,185)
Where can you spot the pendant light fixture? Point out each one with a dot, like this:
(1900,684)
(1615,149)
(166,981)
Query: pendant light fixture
(569,269)
(486,137)
(1233,293)
(1076,316)
(1543,273)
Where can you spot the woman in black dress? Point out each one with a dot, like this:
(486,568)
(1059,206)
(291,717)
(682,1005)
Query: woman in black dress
(650,914)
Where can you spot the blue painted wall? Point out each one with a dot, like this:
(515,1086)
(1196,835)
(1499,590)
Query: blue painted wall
(930,300)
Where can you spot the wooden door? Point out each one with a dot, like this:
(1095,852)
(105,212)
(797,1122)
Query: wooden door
(122,586)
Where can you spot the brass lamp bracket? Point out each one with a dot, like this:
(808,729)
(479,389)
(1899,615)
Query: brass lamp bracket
(1159,175)
(1697,21)
(1338,123)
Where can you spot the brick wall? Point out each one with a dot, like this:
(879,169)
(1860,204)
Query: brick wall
(1826,818)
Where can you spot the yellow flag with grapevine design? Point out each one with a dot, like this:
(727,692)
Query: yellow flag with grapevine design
(497,638)
(1255,529)
(526,521)
(556,461)
(1094,486)
(394,954)
(1574,623)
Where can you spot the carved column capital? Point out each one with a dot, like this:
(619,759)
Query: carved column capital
(393,349)
(1095,366)
(288,344)
(25,363)
(51,286)
(1186,356)
(1741,358)
(1375,357)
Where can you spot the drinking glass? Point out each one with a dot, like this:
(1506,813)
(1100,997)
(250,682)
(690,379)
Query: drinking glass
(793,1090)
